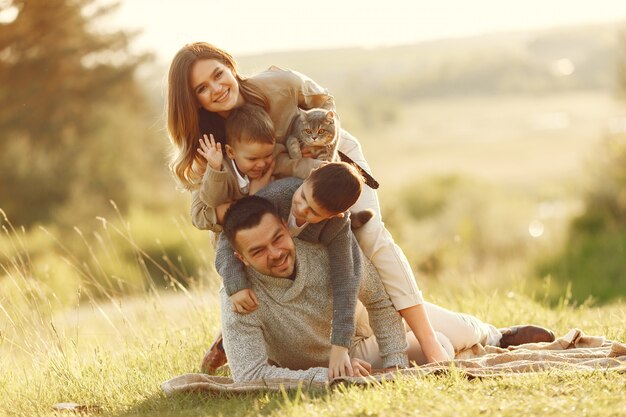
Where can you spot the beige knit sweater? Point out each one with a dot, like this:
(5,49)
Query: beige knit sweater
(291,328)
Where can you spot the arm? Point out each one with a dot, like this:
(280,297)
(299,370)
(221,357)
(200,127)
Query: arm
(417,319)
(384,319)
(280,193)
(311,94)
(245,348)
(202,216)
(216,187)
(231,269)
(345,274)
(288,167)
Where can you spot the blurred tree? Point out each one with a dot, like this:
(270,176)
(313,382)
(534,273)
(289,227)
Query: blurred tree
(60,79)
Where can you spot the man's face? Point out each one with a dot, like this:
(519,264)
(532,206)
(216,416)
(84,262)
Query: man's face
(305,208)
(268,248)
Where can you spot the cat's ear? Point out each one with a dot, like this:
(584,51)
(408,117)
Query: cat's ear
(330,117)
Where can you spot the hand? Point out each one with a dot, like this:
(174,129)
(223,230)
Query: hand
(434,352)
(306,152)
(257,184)
(339,363)
(244,301)
(212,152)
(360,367)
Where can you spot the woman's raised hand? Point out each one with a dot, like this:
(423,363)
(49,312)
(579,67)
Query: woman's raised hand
(211,151)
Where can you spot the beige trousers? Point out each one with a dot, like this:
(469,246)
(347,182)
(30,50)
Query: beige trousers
(376,242)
(455,332)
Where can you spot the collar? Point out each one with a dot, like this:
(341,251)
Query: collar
(242,182)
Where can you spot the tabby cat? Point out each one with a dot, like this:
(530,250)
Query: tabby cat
(316,131)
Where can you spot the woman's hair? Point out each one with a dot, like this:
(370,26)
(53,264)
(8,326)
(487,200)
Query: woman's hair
(336,186)
(183,108)
(249,124)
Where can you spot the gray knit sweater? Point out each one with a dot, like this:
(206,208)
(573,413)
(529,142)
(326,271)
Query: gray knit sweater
(290,328)
(343,250)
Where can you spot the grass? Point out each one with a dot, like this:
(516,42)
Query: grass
(115,354)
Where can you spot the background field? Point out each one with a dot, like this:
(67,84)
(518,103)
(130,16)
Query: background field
(501,159)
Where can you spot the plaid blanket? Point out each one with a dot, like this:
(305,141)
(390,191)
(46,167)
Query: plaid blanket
(573,352)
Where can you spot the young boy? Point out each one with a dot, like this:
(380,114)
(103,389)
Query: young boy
(252,157)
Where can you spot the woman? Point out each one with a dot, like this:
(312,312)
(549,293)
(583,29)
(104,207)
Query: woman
(204,86)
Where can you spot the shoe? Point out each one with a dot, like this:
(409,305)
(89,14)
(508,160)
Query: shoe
(214,357)
(518,335)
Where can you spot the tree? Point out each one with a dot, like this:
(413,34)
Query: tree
(59,79)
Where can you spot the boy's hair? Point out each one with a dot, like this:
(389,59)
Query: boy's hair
(250,124)
(246,213)
(336,186)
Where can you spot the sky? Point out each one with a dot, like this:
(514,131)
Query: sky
(247,27)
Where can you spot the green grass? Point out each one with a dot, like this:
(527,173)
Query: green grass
(116,355)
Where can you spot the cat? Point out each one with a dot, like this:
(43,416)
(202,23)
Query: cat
(316,131)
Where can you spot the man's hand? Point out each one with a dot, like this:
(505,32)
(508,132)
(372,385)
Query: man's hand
(339,363)
(360,367)
(258,183)
(244,301)
(212,152)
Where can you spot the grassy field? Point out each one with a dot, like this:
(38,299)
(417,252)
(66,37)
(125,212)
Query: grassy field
(514,156)
(115,355)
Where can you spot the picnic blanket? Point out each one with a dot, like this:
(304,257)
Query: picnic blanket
(573,352)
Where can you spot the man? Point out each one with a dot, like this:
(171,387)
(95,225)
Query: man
(287,335)
(291,326)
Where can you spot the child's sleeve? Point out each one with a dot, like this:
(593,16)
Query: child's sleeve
(230,268)
(288,167)
(215,188)
(203,217)
(345,274)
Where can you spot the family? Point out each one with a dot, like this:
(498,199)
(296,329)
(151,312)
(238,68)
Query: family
(308,293)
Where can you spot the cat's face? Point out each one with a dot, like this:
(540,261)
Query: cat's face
(318,127)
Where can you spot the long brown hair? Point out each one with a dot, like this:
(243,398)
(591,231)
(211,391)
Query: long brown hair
(182,109)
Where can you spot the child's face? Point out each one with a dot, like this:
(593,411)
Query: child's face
(252,159)
(305,208)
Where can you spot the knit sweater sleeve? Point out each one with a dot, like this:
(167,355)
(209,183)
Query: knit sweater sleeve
(384,319)
(345,276)
(215,188)
(202,216)
(245,348)
(229,267)
(280,193)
